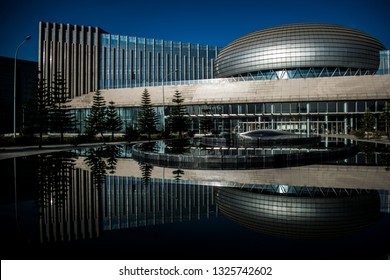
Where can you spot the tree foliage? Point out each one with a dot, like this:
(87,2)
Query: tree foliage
(97,118)
(178,117)
(113,121)
(147,116)
(368,122)
(61,118)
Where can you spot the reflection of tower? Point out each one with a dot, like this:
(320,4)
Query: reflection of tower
(122,202)
(127,202)
(385,201)
(300,212)
(77,216)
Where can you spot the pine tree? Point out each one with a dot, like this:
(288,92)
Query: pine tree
(61,118)
(113,122)
(147,116)
(178,121)
(368,122)
(96,120)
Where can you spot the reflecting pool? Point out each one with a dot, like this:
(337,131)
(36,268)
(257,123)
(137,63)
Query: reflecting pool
(101,203)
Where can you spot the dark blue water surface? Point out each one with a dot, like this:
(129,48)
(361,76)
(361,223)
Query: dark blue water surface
(99,203)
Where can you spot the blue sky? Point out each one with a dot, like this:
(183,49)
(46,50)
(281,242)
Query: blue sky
(199,21)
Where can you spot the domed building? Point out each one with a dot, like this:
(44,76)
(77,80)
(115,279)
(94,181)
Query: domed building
(300,50)
(258,81)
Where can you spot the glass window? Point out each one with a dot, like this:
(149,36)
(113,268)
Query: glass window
(313,107)
(225,109)
(381,105)
(259,108)
(294,108)
(277,108)
(241,109)
(351,106)
(234,109)
(332,107)
(302,107)
(322,107)
(340,107)
(251,108)
(361,106)
(267,108)
(286,108)
(371,106)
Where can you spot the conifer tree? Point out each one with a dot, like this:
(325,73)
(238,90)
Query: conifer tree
(368,122)
(61,118)
(96,120)
(147,116)
(113,122)
(178,120)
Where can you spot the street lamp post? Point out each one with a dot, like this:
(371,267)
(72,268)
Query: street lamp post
(163,98)
(16,54)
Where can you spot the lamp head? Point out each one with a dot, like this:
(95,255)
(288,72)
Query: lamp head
(28,37)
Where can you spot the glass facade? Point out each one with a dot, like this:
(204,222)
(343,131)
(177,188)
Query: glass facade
(127,61)
(71,50)
(333,117)
(384,66)
(301,117)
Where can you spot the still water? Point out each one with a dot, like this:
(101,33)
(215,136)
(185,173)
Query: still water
(100,203)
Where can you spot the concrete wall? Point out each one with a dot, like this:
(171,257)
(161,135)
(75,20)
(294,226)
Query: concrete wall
(224,92)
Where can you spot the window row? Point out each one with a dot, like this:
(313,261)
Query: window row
(288,108)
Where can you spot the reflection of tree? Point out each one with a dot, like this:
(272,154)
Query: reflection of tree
(178,147)
(177,174)
(54,178)
(100,160)
(368,149)
(146,170)
(150,147)
(112,153)
(385,157)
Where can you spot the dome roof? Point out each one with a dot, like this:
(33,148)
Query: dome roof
(302,214)
(300,46)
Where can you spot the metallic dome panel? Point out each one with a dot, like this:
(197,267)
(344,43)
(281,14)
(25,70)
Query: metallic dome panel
(303,213)
(301,46)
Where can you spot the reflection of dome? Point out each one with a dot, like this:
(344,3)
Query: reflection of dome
(299,46)
(310,214)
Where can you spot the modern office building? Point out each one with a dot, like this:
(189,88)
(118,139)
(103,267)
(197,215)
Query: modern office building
(91,59)
(299,77)
(26,72)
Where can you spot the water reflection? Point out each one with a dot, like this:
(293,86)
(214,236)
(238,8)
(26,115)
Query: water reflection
(146,171)
(101,199)
(195,154)
(297,212)
(54,180)
(101,160)
(376,155)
